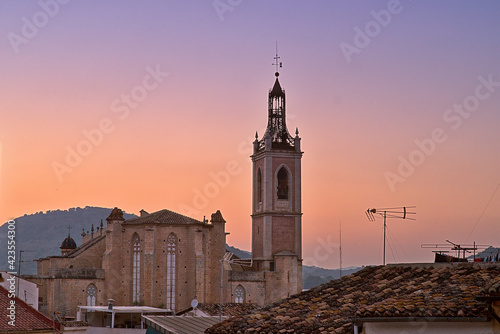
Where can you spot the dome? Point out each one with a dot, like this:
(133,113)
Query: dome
(68,243)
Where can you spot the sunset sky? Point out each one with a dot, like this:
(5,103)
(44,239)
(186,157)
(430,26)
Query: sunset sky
(143,104)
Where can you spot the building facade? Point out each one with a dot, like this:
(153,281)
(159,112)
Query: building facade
(162,259)
(25,290)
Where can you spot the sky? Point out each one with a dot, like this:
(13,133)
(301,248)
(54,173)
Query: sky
(154,104)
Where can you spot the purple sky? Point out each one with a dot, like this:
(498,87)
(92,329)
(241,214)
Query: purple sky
(397,103)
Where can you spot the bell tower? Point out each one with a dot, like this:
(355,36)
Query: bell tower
(276,199)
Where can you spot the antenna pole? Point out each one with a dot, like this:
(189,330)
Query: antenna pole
(19,271)
(474,258)
(340,249)
(221,287)
(385,227)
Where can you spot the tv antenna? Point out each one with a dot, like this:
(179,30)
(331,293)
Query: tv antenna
(226,262)
(19,267)
(401,212)
(460,249)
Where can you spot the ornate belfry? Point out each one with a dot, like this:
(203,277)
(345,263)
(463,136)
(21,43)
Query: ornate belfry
(276,207)
(276,124)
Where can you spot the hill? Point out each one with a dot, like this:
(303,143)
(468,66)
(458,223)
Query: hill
(41,234)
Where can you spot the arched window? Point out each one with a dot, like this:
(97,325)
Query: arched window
(239,294)
(259,186)
(171,252)
(91,295)
(136,271)
(282,183)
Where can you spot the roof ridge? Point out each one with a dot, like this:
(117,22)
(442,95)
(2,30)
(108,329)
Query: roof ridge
(86,245)
(180,214)
(157,216)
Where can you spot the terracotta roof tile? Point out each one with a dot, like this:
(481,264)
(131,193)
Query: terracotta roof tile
(27,319)
(434,290)
(229,309)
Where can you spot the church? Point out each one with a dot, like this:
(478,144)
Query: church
(164,259)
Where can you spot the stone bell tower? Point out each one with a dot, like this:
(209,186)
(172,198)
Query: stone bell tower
(276,200)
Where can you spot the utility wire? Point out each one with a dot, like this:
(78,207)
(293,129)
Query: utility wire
(396,245)
(487,204)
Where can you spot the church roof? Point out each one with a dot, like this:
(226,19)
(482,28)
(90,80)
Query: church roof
(164,217)
(85,246)
(450,291)
(68,243)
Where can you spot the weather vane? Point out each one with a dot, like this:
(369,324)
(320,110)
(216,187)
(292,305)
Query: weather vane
(276,61)
(398,212)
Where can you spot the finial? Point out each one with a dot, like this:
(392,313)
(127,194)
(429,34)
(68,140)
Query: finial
(297,131)
(101,224)
(92,229)
(277,63)
(69,230)
(83,232)
(256,135)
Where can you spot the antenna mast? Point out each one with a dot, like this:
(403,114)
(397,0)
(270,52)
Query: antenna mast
(397,212)
(460,249)
(340,248)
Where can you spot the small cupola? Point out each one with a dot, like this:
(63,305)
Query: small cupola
(68,244)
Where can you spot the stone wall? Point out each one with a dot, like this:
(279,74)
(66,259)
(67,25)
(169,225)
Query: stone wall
(64,295)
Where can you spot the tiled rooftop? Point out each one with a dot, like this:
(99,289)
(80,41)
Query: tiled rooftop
(434,290)
(229,309)
(27,319)
(163,217)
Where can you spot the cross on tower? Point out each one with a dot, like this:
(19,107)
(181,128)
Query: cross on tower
(69,230)
(276,58)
